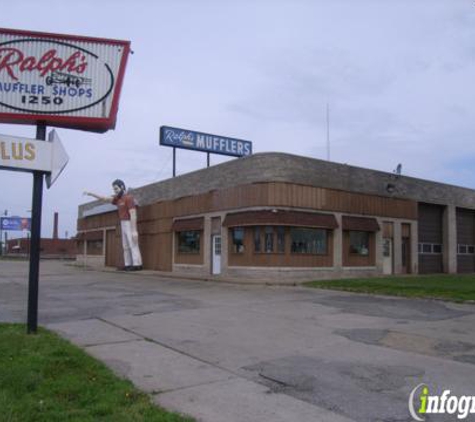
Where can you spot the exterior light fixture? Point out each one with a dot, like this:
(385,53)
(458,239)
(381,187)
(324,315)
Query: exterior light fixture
(390,188)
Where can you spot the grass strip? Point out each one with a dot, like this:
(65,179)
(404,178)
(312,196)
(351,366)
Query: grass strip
(45,378)
(458,288)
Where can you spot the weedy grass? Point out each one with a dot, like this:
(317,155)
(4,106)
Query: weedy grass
(44,378)
(457,288)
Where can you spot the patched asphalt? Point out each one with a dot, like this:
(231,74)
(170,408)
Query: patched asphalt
(238,352)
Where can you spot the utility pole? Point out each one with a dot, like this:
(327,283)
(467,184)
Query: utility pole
(3,245)
(328,131)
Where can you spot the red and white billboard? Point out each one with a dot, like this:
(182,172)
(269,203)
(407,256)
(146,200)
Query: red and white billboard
(61,80)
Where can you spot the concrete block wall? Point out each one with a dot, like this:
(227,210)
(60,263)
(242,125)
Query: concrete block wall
(279,167)
(449,236)
(95,261)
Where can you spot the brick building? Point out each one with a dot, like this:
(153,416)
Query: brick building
(281,217)
(49,248)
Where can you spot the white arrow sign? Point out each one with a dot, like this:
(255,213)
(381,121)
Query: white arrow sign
(25,154)
(59,158)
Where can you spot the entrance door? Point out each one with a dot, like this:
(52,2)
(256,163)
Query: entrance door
(216,255)
(387,256)
(406,255)
(111,249)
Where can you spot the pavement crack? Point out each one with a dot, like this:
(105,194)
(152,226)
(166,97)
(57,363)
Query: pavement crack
(111,342)
(171,390)
(279,382)
(173,349)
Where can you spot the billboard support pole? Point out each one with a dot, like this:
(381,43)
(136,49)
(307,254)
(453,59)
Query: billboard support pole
(37,200)
(174,161)
(3,245)
(207,159)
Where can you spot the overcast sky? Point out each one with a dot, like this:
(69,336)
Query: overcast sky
(399,78)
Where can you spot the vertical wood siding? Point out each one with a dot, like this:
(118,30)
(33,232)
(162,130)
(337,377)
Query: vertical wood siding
(155,220)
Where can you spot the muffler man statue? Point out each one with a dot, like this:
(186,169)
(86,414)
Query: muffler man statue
(127,208)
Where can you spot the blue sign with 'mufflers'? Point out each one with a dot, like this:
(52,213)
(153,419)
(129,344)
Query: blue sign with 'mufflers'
(188,139)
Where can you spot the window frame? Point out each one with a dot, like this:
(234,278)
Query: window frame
(261,233)
(368,243)
(257,239)
(234,249)
(280,239)
(269,235)
(198,242)
(469,249)
(427,248)
(94,247)
(309,229)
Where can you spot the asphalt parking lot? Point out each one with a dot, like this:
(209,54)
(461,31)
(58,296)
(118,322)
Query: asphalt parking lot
(239,352)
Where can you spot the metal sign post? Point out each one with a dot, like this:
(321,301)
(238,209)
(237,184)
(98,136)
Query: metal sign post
(42,159)
(54,80)
(37,199)
(174,162)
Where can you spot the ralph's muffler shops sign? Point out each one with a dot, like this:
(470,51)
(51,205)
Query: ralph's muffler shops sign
(60,80)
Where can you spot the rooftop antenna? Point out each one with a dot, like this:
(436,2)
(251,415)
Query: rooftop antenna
(398,169)
(392,186)
(328,131)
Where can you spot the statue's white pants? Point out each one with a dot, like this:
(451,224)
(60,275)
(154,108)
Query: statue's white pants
(131,249)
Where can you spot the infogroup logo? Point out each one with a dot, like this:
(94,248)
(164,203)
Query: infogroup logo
(421,403)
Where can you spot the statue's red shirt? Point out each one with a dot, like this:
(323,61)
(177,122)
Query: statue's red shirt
(124,204)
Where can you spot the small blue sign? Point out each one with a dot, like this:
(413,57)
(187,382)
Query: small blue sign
(182,138)
(15,223)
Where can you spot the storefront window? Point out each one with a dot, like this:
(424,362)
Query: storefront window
(308,241)
(94,247)
(257,239)
(280,239)
(269,239)
(189,241)
(238,239)
(359,243)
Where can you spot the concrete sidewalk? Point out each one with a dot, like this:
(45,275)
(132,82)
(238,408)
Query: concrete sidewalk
(184,383)
(224,352)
